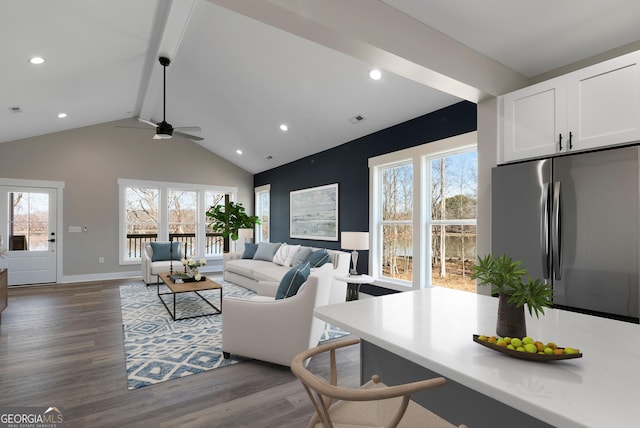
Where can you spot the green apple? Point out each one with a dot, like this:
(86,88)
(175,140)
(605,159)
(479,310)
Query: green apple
(530,347)
(527,340)
(516,342)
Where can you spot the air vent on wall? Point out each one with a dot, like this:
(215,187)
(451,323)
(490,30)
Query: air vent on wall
(15,109)
(356,119)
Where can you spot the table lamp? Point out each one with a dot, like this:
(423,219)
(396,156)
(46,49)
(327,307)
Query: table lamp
(355,241)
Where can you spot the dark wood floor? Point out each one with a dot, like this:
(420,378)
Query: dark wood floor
(62,345)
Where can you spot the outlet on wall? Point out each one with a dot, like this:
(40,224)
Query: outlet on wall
(100,259)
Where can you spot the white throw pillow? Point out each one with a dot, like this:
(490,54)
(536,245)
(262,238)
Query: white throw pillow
(293,249)
(280,257)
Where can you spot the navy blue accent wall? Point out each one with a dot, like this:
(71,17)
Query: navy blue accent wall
(347,165)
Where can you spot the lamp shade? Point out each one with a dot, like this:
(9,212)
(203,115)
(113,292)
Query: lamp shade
(245,233)
(355,240)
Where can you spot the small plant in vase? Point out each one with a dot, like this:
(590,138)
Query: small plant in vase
(506,278)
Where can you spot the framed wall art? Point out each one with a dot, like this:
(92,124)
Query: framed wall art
(314,213)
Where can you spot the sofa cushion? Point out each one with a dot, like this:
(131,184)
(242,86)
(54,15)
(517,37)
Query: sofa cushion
(301,256)
(246,267)
(162,251)
(249,250)
(318,258)
(292,281)
(273,272)
(285,254)
(266,251)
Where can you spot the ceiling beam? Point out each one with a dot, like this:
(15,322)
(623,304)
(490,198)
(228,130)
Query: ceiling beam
(385,37)
(171,23)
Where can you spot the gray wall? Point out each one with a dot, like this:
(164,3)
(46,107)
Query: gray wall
(90,161)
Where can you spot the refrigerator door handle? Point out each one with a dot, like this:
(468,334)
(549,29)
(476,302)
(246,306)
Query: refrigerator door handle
(544,232)
(557,232)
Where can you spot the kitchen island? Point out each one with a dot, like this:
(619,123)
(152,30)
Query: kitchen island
(419,334)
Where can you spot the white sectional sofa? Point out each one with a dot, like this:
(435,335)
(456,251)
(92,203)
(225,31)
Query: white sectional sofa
(247,272)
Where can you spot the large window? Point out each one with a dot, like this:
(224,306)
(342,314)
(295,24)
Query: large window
(423,223)
(155,211)
(262,211)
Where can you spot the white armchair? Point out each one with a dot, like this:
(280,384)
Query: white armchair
(272,330)
(151,269)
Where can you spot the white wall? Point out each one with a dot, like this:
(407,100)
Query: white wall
(89,161)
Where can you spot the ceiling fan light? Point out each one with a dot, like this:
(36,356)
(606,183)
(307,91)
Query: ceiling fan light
(161,136)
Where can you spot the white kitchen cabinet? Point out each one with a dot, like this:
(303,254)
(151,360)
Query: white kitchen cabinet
(534,119)
(604,103)
(597,106)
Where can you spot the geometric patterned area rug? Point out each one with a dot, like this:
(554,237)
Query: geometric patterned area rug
(158,349)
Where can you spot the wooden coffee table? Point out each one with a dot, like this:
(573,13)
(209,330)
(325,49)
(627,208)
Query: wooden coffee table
(189,287)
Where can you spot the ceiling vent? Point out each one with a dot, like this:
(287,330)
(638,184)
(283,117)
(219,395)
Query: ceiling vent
(15,109)
(356,119)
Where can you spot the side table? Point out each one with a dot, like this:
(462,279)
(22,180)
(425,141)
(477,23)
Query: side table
(353,284)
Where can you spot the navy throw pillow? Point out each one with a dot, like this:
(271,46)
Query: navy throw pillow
(318,258)
(161,251)
(292,281)
(249,250)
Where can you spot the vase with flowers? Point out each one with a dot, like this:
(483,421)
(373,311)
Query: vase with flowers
(191,267)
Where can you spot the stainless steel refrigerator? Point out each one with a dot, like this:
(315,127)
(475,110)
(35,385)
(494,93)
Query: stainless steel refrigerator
(574,221)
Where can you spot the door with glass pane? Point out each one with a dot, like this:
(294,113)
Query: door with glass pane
(28,219)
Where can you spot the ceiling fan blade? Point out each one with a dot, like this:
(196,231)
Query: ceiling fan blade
(188,128)
(148,122)
(189,136)
(131,127)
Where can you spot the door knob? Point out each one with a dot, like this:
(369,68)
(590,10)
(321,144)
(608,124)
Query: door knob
(52,240)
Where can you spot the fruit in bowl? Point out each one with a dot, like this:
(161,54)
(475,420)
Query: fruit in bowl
(526,346)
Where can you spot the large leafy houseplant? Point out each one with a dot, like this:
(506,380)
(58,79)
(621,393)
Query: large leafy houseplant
(506,278)
(229,218)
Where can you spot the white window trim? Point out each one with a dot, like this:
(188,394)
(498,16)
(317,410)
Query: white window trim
(420,156)
(163,230)
(256,204)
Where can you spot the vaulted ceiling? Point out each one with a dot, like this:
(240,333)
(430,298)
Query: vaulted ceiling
(241,68)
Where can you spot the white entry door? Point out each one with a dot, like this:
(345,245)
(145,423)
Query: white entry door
(28,229)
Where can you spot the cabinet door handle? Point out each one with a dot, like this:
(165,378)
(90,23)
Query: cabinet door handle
(570,139)
(560,141)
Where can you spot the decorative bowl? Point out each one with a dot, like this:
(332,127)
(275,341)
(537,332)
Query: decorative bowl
(525,355)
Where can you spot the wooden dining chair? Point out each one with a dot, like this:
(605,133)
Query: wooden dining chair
(373,404)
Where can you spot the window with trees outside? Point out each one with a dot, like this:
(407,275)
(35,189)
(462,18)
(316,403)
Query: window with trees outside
(155,211)
(423,229)
(262,211)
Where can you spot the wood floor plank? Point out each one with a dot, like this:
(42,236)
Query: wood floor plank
(63,345)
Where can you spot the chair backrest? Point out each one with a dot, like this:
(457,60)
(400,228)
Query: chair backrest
(324,276)
(323,393)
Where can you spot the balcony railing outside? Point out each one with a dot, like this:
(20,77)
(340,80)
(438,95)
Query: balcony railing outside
(214,243)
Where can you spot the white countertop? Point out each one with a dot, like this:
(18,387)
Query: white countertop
(434,328)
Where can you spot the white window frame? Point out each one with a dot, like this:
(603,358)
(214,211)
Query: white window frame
(258,228)
(163,228)
(420,156)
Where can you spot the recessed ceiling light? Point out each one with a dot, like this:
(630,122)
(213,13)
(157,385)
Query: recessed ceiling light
(36,60)
(239,151)
(284,127)
(375,74)
(62,115)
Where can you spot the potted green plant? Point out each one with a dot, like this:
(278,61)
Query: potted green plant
(506,278)
(227,219)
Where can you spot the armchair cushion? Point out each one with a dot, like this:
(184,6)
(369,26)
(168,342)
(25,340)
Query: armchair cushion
(292,280)
(249,250)
(163,251)
(266,251)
